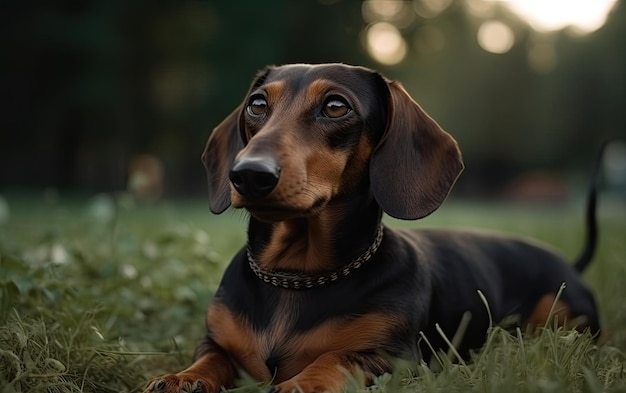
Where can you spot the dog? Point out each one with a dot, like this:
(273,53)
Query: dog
(316,154)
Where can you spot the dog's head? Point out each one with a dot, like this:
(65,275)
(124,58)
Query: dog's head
(307,135)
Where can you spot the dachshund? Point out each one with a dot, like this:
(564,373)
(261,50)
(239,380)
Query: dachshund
(316,154)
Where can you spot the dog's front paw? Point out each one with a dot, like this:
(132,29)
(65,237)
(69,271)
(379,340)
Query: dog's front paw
(180,383)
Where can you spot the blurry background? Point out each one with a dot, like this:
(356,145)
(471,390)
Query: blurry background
(103,95)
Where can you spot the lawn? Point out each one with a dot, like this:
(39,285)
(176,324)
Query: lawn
(99,294)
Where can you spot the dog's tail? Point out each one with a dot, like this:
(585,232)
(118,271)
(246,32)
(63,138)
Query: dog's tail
(591,222)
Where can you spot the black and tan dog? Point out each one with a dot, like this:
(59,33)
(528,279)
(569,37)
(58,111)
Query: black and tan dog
(316,154)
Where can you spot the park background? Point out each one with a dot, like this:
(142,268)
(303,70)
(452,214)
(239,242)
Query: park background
(90,86)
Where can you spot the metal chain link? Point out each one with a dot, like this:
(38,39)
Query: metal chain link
(289,280)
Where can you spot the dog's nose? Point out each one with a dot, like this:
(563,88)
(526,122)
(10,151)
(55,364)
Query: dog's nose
(255,177)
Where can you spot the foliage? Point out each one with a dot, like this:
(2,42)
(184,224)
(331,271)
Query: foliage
(93,83)
(101,295)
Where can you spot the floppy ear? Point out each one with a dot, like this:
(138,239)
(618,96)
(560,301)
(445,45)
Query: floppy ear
(226,140)
(415,163)
(220,151)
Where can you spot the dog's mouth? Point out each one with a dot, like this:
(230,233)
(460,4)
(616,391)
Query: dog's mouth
(273,212)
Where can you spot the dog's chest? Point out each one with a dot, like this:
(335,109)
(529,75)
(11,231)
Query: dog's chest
(278,350)
(275,351)
(284,351)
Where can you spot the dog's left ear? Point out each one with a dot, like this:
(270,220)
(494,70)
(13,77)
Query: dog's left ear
(415,163)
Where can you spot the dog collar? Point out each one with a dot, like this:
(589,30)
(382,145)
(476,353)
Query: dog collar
(291,280)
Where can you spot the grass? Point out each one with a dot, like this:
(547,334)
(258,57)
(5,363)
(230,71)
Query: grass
(100,294)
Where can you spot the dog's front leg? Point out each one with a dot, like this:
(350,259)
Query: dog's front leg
(211,370)
(330,372)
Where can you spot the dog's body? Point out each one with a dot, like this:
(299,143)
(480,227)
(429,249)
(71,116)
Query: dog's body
(316,154)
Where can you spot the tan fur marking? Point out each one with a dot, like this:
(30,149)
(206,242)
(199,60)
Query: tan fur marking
(327,374)
(541,314)
(318,88)
(251,348)
(212,371)
(293,189)
(295,247)
(237,338)
(325,169)
(274,89)
(367,332)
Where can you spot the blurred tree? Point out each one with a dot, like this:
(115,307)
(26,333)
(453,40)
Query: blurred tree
(507,116)
(89,84)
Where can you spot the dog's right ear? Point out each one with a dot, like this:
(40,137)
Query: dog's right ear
(220,151)
(225,142)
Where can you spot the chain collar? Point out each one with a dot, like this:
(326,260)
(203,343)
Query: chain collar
(290,280)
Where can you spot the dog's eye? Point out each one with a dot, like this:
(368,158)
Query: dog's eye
(257,106)
(335,107)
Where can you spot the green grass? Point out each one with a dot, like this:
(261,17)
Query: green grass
(100,294)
